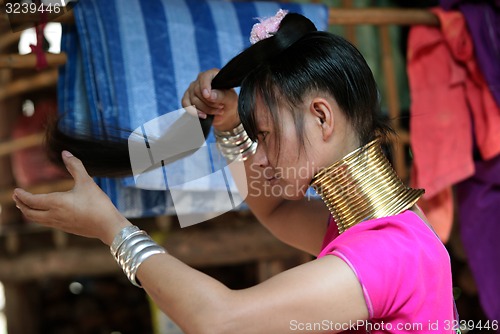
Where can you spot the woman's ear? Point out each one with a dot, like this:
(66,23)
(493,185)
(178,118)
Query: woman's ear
(323,113)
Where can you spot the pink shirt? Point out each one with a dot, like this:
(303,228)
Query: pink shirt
(404,270)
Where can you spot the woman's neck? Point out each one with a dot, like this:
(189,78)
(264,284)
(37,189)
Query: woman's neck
(362,186)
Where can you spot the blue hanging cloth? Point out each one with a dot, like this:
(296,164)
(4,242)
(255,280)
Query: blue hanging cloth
(131,61)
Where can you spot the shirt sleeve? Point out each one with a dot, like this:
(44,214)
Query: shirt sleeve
(384,258)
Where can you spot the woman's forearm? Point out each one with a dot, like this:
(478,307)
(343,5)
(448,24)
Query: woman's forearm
(195,301)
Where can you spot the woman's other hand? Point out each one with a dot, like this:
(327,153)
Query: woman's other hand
(222,104)
(85,210)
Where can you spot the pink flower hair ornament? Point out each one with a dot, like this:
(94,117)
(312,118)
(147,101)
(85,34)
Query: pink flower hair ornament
(267,27)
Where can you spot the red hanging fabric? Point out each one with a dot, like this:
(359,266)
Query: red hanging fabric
(41,59)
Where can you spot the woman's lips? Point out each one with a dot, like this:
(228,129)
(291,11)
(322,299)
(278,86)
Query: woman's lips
(272,180)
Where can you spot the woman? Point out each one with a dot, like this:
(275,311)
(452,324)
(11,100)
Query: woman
(309,100)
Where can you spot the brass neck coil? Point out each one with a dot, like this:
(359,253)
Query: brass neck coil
(362,186)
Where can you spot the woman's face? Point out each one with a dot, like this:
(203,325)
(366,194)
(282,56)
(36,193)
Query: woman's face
(286,167)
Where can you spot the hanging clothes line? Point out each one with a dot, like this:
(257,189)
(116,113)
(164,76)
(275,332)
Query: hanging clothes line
(337,16)
(381,16)
(343,16)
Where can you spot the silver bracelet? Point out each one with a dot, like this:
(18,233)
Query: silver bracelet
(120,238)
(235,144)
(229,133)
(132,247)
(241,156)
(123,257)
(139,259)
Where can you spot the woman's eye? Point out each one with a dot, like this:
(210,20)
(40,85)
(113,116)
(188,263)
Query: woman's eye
(263,136)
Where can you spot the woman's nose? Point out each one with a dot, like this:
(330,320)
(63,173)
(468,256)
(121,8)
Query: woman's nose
(260,157)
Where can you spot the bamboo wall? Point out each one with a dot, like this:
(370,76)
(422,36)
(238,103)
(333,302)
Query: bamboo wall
(30,253)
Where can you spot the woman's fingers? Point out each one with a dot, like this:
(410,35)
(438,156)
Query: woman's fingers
(85,210)
(193,97)
(217,97)
(45,202)
(36,202)
(204,105)
(75,167)
(202,108)
(222,104)
(29,211)
(205,82)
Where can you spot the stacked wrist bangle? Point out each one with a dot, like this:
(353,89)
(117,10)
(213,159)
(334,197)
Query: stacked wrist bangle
(130,248)
(235,144)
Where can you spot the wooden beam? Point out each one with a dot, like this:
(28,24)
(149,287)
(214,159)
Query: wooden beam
(403,136)
(35,82)
(381,16)
(342,16)
(9,38)
(62,185)
(10,146)
(54,263)
(29,61)
(226,246)
(222,244)
(34,18)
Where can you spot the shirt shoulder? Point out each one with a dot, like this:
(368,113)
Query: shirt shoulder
(398,260)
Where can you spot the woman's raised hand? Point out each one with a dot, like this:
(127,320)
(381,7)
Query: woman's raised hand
(223,104)
(85,210)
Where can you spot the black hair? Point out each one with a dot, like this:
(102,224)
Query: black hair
(296,62)
(281,69)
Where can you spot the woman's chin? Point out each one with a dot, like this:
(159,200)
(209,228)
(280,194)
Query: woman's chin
(293,198)
(294,194)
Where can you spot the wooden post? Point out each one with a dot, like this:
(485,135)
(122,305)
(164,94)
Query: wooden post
(350,30)
(22,307)
(29,61)
(9,212)
(9,109)
(392,97)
